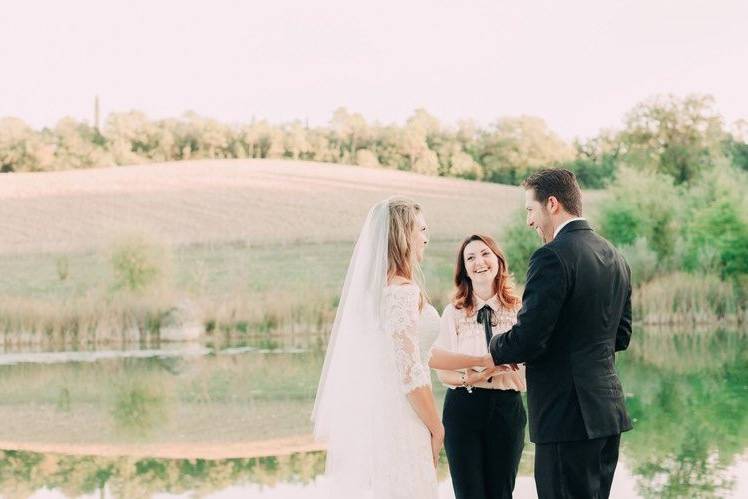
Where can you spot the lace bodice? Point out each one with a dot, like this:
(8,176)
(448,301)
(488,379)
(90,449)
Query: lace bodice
(411,331)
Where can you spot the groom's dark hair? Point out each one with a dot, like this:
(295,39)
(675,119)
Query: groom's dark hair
(559,183)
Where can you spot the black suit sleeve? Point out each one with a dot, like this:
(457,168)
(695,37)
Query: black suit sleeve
(545,293)
(623,335)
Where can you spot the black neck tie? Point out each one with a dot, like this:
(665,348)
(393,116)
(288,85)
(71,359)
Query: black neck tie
(484,317)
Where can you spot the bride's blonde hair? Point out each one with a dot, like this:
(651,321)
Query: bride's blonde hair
(400,252)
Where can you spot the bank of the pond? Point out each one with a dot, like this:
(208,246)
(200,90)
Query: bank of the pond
(176,450)
(144,330)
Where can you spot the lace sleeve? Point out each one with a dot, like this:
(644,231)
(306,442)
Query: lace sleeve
(401,322)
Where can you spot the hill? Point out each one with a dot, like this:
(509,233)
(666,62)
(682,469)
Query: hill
(258,202)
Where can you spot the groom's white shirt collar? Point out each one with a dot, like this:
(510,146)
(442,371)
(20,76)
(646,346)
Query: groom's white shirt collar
(558,229)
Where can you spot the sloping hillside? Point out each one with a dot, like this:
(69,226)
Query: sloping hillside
(256,201)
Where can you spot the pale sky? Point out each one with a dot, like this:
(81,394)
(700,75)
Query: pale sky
(579,64)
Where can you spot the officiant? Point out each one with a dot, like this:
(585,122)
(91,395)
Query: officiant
(483,416)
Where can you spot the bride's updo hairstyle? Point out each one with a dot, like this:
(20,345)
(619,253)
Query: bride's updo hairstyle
(402,226)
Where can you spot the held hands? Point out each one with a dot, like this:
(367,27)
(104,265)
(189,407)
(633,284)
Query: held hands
(486,369)
(474,377)
(486,362)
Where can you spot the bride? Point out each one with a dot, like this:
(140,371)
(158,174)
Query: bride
(374,407)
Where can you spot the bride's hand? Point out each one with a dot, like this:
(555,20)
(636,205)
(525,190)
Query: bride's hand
(437,442)
(487,362)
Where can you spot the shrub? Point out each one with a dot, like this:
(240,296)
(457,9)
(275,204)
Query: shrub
(138,405)
(519,242)
(138,264)
(718,238)
(642,261)
(643,205)
(621,224)
(593,174)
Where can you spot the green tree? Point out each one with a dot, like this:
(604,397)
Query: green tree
(718,240)
(519,243)
(644,205)
(349,133)
(736,145)
(517,146)
(675,136)
(78,145)
(596,160)
(22,149)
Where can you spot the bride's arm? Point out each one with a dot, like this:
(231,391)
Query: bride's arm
(451,378)
(422,400)
(446,360)
(414,376)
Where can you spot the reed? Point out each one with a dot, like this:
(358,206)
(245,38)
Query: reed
(89,320)
(689,299)
(680,300)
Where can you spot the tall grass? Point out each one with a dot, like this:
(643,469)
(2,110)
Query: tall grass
(128,302)
(234,290)
(230,289)
(83,321)
(683,299)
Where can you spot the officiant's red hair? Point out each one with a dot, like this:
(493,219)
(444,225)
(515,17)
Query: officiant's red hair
(503,284)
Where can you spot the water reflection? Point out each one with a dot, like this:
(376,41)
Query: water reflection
(139,407)
(21,473)
(686,393)
(690,409)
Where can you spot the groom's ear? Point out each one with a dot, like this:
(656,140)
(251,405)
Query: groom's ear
(552,205)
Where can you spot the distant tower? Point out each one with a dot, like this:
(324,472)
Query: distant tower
(96,113)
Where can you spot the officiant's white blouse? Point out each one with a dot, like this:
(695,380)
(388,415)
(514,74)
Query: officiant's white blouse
(463,334)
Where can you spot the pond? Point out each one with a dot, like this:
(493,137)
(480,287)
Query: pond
(231,419)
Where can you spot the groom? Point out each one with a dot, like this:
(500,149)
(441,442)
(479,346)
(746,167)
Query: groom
(576,313)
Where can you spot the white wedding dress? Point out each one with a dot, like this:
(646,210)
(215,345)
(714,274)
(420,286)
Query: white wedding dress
(377,446)
(409,466)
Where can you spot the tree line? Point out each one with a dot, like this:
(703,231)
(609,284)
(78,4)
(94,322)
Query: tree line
(680,137)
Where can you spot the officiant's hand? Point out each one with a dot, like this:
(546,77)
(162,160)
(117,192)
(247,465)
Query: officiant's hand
(437,442)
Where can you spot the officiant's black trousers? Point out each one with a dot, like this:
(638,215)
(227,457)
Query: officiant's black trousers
(572,470)
(485,434)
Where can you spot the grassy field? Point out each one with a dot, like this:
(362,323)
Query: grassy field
(237,246)
(231,287)
(249,244)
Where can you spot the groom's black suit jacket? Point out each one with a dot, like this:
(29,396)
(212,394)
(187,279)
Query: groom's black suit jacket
(576,313)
